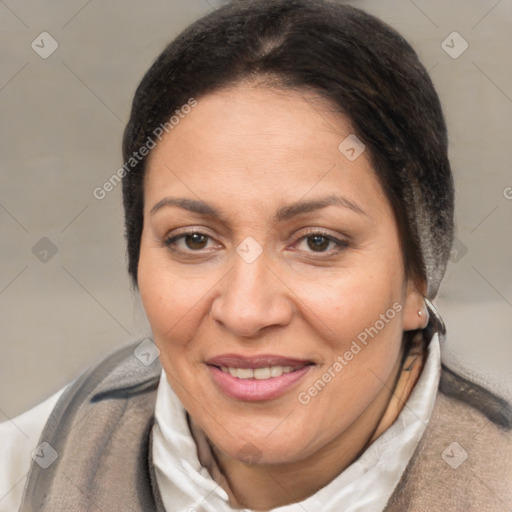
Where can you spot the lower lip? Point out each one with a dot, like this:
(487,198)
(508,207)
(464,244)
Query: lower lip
(256,389)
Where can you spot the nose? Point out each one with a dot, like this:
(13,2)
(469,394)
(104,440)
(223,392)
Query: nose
(252,298)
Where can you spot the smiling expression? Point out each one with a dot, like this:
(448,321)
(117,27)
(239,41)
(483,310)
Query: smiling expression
(265,252)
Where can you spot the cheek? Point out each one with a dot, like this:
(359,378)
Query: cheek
(177,302)
(345,304)
(172,304)
(359,322)
(358,316)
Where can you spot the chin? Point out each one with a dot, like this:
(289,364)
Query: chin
(260,448)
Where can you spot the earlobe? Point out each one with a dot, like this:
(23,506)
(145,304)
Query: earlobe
(416,313)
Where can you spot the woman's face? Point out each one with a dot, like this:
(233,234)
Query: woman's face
(271,274)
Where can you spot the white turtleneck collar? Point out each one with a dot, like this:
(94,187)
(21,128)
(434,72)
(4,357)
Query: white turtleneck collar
(366,484)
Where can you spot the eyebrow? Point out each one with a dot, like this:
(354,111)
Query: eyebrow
(283,213)
(301,207)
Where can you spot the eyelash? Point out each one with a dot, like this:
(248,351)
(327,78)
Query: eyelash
(340,244)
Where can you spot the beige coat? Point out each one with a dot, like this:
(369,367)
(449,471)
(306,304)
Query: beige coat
(464,460)
(101,430)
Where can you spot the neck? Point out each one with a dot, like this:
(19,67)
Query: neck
(265,486)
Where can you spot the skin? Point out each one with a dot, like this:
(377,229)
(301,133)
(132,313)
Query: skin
(248,151)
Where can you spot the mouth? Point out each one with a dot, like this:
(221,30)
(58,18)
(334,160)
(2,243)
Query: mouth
(258,378)
(266,372)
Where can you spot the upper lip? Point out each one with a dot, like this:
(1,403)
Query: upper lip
(260,361)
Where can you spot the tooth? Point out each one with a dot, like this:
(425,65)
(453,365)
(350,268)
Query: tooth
(245,373)
(276,371)
(262,373)
(266,372)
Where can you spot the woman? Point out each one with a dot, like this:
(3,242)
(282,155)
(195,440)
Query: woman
(289,215)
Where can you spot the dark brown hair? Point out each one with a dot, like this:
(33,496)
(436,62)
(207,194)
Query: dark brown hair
(366,71)
(359,64)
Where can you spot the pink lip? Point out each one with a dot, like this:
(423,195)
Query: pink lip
(237,361)
(256,389)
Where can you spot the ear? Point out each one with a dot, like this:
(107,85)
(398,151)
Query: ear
(414,303)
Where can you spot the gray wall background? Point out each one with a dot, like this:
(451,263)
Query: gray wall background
(62,119)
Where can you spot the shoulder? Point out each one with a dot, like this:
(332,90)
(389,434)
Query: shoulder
(130,371)
(464,392)
(19,438)
(101,421)
(464,460)
(125,372)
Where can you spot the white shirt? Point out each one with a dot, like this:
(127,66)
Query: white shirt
(365,485)
(18,439)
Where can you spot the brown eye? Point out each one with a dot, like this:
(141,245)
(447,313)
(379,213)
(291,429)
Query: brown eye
(321,243)
(318,243)
(188,242)
(196,241)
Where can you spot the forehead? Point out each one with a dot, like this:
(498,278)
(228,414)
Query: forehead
(250,145)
